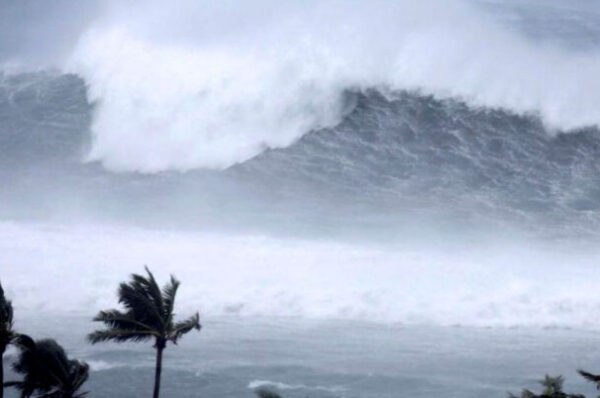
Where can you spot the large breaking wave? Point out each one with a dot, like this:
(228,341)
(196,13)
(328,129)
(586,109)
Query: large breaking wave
(209,85)
(441,143)
(395,160)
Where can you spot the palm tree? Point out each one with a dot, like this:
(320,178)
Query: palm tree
(552,384)
(553,388)
(47,370)
(266,393)
(148,315)
(6,332)
(590,377)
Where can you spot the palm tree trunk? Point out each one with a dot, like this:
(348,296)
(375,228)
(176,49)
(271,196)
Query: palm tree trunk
(158,371)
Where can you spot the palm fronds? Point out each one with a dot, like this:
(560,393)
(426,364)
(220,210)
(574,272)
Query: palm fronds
(6,321)
(553,388)
(47,370)
(590,377)
(120,336)
(183,327)
(552,384)
(148,313)
(169,292)
(266,393)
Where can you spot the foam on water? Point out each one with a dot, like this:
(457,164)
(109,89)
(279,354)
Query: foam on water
(99,365)
(252,276)
(255,384)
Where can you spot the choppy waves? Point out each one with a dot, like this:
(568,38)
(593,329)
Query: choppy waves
(396,158)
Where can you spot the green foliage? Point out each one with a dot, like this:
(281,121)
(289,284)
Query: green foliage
(590,377)
(553,388)
(47,370)
(6,322)
(266,393)
(148,314)
(552,384)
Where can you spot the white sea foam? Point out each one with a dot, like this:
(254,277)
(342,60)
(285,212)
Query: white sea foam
(99,365)
(283,386)
(249,276)
(209,84)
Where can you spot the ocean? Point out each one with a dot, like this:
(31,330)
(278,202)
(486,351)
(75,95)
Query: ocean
(232,357)
(361,199)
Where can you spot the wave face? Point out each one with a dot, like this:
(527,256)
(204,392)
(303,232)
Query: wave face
(393,154)
(210,85)
(413,152)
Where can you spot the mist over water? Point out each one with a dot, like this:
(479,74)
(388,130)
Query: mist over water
(258,276)
(397,162)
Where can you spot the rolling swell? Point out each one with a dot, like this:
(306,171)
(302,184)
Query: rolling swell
(392,156)
(407,150)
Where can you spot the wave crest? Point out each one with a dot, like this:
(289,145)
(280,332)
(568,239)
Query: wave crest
(208,86)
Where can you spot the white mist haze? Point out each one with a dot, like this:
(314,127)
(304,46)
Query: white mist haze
(37,34)
(258,276)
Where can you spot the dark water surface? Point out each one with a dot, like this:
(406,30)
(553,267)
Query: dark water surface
(301,358)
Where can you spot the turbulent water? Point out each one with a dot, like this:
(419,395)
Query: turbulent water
(394,156)
(337,359)
(325,163)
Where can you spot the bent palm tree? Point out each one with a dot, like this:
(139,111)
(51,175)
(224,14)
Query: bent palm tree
(148,315)
(6,332)
(590,377)
(553,388)
(47,370)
